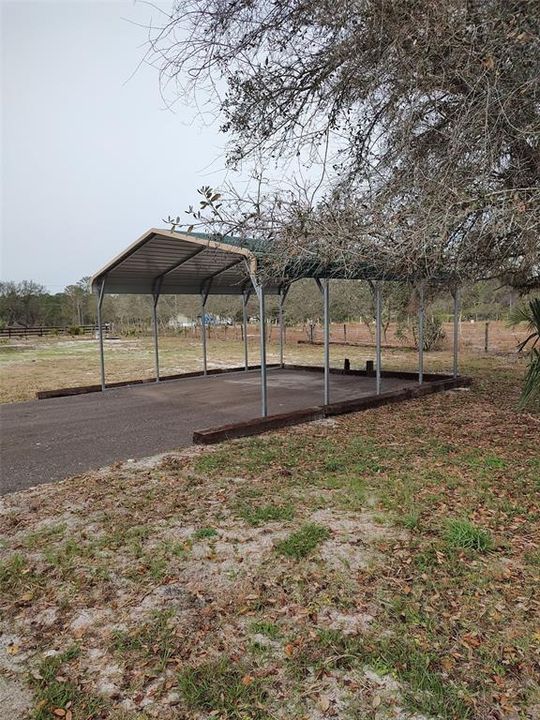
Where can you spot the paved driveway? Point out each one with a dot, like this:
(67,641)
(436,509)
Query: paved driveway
(45,440)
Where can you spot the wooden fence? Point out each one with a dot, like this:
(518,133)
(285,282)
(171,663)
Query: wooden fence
(44,330)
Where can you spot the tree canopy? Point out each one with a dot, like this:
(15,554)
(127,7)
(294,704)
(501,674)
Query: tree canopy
(425,114)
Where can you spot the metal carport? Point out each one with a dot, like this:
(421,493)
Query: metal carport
(171,262)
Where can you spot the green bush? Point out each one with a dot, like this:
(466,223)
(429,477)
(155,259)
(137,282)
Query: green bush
(530,314)
(433,333)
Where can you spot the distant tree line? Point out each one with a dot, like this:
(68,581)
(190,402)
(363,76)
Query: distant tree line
(29,304)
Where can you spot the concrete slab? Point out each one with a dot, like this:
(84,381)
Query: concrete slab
(47,440)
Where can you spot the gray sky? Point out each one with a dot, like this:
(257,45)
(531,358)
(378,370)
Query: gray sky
(88,160)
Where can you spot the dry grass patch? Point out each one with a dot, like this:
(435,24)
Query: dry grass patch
(382,566)
(153,573)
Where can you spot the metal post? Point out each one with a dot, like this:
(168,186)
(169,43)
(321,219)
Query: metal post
(378,322)
(205,291)
(101,293)
(326,304)
(262,330)
(245,298)
(282,295)
(455,371)
(281,339)
(421,335)
(155,297)
(203,334)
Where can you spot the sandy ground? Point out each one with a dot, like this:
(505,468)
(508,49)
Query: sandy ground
(382,565)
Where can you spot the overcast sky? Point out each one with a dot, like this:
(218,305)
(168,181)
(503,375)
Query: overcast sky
(89,158)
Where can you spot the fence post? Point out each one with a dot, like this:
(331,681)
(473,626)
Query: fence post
(486,337)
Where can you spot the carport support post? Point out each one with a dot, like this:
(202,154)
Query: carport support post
(378,323)
(324,287)
(245,298)
(101,292)
(455,370)
(204,298)
(282,295)
(155,299)
(421,335)
(326,303)
(259,289)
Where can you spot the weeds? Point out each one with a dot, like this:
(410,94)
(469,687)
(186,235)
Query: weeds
(204,533)
(301,543)
(54,692)
(425,689)
(44,536)
(224,689)
(266,513)
(151,642)
(461,534)
(12,573)
(269,629)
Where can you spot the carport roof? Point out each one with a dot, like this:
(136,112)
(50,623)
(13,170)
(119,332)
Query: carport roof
(178,263)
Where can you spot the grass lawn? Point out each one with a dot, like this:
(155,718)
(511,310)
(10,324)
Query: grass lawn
(378,566)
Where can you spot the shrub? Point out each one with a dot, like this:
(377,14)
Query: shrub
(530,314)
(433,333)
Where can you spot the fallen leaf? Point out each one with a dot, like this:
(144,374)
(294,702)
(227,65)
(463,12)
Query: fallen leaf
(324,703)
(447,663)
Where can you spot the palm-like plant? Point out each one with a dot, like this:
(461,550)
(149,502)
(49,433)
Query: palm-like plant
(530,313)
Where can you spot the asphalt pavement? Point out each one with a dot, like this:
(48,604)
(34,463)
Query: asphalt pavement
(46,440)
